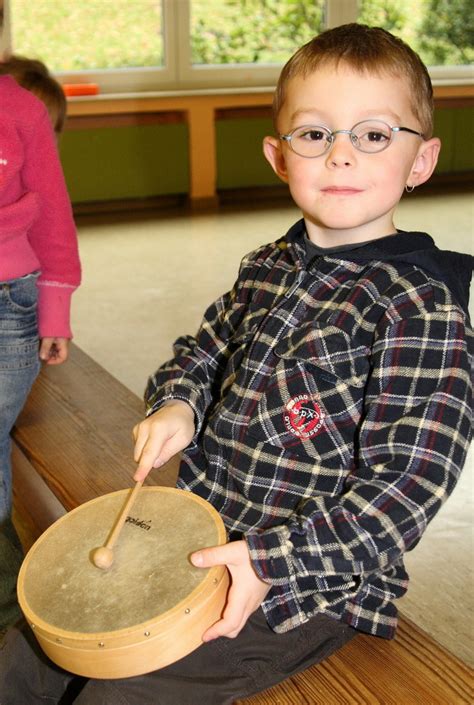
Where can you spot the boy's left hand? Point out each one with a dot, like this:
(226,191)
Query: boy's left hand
(54,351)
(246,591)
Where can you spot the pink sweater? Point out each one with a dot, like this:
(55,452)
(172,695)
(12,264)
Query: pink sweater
(37,230)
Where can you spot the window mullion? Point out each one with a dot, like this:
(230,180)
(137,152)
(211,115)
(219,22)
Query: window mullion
(182,39)
(340,12)
(6,34)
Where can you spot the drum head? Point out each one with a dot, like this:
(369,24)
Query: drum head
(64,595)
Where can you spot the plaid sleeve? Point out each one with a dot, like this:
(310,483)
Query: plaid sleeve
(412,444)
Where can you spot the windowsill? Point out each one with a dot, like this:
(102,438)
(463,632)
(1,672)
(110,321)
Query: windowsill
(176,94)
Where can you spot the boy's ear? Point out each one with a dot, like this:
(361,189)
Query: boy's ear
(425,162)
(274,156)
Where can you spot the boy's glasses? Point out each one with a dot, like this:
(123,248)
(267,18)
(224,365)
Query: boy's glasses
(369,136)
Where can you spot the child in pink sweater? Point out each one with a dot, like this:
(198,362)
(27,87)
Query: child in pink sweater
(39,270)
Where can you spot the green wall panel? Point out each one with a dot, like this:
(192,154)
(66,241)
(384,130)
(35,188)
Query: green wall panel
(125,162)
(463,149)
(455,129)
(240,160)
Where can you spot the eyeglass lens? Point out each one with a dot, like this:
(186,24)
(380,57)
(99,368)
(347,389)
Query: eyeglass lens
(367,136)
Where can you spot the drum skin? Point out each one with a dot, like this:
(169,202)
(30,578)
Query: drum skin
(149,609)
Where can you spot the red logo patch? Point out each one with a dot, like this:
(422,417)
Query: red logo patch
(303,417)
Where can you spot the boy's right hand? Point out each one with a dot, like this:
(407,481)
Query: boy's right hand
(162,435)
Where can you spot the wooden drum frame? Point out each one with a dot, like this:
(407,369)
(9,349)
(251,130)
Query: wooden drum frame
(150,609)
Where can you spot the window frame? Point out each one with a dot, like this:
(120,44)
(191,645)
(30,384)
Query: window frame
(179,75)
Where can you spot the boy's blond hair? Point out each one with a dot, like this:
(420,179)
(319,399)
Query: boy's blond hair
(33,75)
(364,49)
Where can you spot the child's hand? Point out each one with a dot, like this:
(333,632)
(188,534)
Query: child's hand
(54,351)
(246,592)
(162,435)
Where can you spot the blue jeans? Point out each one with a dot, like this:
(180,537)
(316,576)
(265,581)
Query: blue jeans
(19,366)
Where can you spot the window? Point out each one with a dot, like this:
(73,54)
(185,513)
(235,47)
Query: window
(151,45)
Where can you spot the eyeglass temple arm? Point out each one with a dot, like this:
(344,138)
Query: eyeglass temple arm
(407,129)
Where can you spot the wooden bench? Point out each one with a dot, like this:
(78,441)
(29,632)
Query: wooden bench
(73,442)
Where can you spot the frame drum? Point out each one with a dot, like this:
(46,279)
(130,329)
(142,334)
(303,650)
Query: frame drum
(150,609)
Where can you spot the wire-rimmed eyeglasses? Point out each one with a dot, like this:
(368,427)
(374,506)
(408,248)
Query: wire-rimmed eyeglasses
(369,136)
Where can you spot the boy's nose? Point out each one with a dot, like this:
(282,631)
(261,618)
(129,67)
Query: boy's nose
(342,152)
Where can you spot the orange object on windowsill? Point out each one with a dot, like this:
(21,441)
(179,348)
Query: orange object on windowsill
(74,89)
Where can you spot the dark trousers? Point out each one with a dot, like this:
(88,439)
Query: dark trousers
(217,673)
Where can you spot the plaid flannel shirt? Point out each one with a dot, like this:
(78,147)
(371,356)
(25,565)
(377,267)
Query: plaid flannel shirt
(333,415)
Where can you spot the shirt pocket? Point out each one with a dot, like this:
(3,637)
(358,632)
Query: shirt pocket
(312,402)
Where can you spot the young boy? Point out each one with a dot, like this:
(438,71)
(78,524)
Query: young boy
(324,407)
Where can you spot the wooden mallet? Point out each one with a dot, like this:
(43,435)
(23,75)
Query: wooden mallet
(103,557)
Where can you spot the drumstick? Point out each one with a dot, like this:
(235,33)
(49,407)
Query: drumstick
(103,557)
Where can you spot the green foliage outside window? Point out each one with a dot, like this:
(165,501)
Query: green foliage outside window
(252,31)
(441,31)
(448,32)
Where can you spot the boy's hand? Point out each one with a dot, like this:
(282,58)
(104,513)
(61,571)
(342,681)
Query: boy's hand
(54,351)
(246,592)
(162,435)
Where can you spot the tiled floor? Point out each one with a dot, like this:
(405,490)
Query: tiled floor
(148,280)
